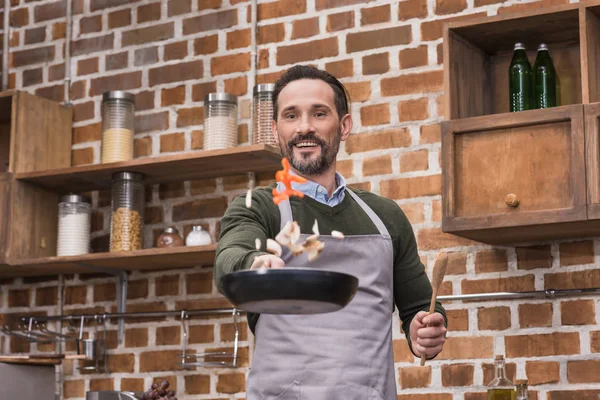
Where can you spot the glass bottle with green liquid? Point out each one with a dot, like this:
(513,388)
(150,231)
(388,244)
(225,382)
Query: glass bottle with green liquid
(544,79)
(500,388)
(519,79)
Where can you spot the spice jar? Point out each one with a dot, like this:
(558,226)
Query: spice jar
(198,237)
(74,218)
(169,238)
(262,114)
(118,110)
(220,121)
(126,225)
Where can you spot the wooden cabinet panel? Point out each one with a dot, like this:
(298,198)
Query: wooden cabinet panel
(592,131)
(534,159)
(5,182)
(590,38)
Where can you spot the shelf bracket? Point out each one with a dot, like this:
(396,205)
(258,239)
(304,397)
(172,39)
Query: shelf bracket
(122,284)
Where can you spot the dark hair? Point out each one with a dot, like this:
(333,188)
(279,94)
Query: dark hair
(307,72)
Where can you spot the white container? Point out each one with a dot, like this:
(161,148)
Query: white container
(74,225)
(198,237)
(220,121)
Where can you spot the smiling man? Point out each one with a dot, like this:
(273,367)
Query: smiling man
(347,354)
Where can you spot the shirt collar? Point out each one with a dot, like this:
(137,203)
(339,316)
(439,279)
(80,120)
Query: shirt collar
(311,188)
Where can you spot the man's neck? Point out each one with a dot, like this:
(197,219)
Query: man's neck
(325,179)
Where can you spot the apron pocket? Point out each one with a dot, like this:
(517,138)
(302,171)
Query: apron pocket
(292,392)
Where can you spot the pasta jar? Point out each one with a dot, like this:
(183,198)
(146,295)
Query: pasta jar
(118,109)
(220,121)
(262,114)
(127,218)
(74,218)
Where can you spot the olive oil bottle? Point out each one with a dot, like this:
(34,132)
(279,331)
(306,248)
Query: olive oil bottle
(500,388)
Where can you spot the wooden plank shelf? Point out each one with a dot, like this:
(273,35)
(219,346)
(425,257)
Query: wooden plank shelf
(147,259)
(178,167)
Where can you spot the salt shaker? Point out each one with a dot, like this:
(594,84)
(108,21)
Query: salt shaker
(198,237)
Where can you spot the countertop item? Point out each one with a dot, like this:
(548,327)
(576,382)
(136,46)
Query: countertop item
(289,290)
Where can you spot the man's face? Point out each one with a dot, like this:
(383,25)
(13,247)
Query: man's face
(308,128)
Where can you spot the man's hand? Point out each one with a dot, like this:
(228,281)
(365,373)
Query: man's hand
(427,334)
(267,261)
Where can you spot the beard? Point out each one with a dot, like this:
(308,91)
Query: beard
(307,164)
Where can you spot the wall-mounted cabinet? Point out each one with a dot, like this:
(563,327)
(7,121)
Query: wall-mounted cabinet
(533,175)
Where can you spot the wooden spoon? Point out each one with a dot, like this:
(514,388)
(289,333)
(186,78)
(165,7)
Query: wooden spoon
(439,271)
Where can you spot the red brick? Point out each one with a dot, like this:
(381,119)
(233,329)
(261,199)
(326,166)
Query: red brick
(378,114)
(103,4)
(415,377)
(495,260)
(387,139)
(358,91)
(379,165)
(457,375)
(87,66)
(535,315)
(375,15)
(434,238)
(150,34)
(116,61)
(305,28)
(573,280)
(430,134)
(467,348)
(576,253)
(541,372)
(231,382)
(412,9)
(443,7)
(56,92)
(340,69)
(197,384)
(200,90)
(534,257)
(322,4)
(212,4)
(207,208)
(92,45)
(101,384)
(35,35)
(152,122)
(82,156)
(90,24)
(238,39)
(271,33)
(407,188)
(230,64)
(148,12)
(458,320)
(412,58)
(583,371)
(146,56)
(178,7)
(595,341)
(340,22)
(176,73)
(578,312)
(133,384)
(168,335)
(172,96)
(421,83)
(281,8)
(33,76)
(313,50)
(414,161)
(542,345)
(378,38)
(517,8)
(376,64)
(32,56)
(211,22)
(118,19)
(125,81)
(172,142)
(512,284)
(200,283)
(413,110)
(190,116)
(83,111)
(74,388)
(144,100)
(19,17)
(237,86)
(175,51)
(206,45)
(432,30)
(136,337)
(493,318)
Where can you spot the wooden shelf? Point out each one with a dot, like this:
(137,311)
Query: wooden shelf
(147,259)
(178,167)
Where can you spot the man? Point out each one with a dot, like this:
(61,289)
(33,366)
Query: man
(345,355)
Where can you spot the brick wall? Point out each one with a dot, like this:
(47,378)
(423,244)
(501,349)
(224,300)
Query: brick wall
(388,53)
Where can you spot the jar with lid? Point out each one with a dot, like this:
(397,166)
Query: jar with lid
(198,237)
(262,114)
(74,218)
(127,205)
(169,238)
(220,121)
(118,109)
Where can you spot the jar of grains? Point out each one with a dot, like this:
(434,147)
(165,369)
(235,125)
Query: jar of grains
(127,218)
(118,109)
(262,114)
(220,121)
(74,216)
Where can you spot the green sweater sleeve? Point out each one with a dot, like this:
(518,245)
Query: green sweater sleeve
(240,227)
(412,288)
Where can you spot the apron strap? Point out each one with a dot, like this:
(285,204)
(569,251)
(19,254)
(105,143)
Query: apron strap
(286,212)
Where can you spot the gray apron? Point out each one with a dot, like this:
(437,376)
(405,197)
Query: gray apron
(344,355)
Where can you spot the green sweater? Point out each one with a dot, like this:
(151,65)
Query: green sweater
(240,226)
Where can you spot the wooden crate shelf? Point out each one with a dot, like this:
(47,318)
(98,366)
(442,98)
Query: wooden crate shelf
(147,259)
(178,167)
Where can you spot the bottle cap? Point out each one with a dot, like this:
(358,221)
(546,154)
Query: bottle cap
(499,357)
(521,382)
(74,198)
(197,228)
(171,229)
(519,46)
(542,46)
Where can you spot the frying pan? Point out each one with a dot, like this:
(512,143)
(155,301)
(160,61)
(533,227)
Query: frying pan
(289,290)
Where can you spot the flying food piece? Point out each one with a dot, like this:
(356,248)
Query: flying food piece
(337,234)
(286,178)
(257,243)
(274,248)
(249,198)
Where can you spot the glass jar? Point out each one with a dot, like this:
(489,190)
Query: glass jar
(118,109)
(198,237)
(500,388)
(169,238)
(220,121)
(127,219)
(522,393)
(262,114)
(74,219)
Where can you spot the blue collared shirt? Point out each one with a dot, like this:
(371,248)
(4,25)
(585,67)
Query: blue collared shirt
(319,193)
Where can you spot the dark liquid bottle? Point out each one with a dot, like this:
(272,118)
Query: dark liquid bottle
(519,78)
(544,79)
